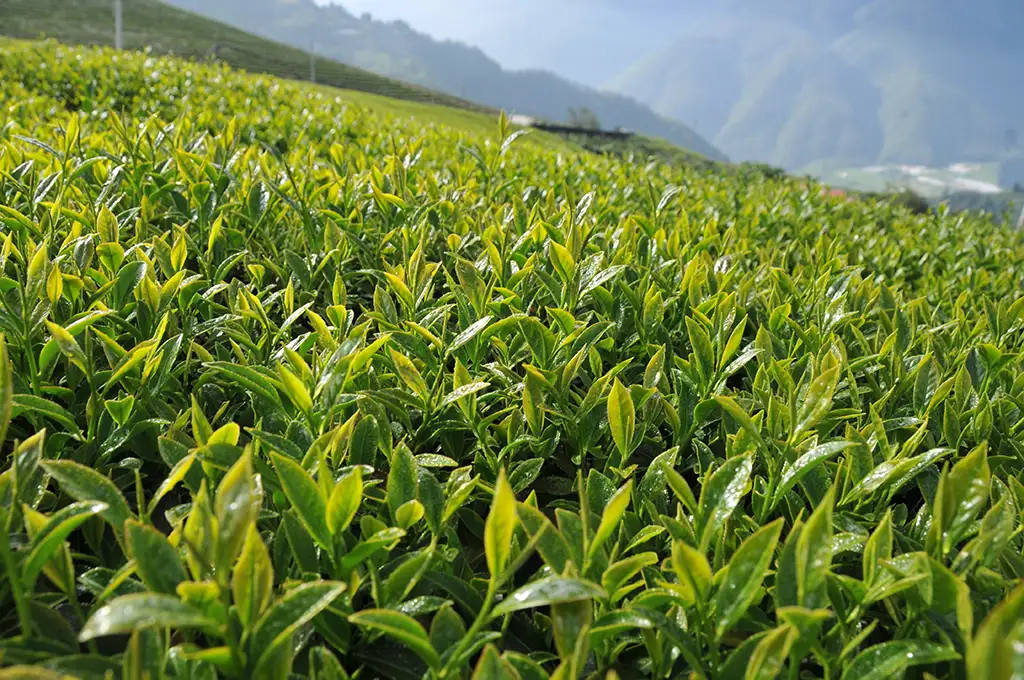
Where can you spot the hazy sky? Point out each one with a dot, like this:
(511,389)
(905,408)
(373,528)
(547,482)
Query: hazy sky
(455,19)
(586,40)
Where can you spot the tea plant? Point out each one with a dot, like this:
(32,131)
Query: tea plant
(292,389)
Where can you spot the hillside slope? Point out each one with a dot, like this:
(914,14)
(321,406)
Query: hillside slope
(396,50)
(167,29)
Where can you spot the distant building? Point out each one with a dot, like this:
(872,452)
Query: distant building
(521,120)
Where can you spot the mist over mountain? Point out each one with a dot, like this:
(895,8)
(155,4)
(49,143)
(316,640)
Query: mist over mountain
(809,85)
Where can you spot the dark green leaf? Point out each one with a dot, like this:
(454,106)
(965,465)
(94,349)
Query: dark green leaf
(156,561)
(793,472)
(720,496)
(546,591)
(305,497)
(85,484)
(275,628)
(27,403)
(131,612)
(49,539)
(400,627)
(891,659)
(744,575)
(402,484)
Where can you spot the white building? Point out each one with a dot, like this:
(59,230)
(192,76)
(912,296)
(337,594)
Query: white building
(521,120)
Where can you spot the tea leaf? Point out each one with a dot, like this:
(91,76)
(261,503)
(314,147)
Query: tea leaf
(402,482)
(402,628)
(85,484)
(816,402)
(52,535)
(692,571)
(814,555)
(621,418)
(156,561)
(992,653)
(344,501)
(252,578)
(611,517)
(720,496)
(273,631)
(770,654)
(744,575)
(501,522)
(793,472)
(27,403)
(305,497)
(547,591)
(891,659)
(145,610)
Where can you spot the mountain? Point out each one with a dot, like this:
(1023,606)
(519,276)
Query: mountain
(814,84)
(394,49)
(779,97)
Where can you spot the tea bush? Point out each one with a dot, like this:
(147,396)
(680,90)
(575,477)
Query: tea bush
(293,388)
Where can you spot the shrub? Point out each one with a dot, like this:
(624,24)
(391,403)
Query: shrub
(293,388)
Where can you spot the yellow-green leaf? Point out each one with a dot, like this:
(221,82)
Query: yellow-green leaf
(499,527)
(344,501)
(611,517)
(410,375)
(621,418)
(294,389)
(252,579)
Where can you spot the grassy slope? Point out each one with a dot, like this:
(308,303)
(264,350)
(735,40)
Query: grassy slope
(167,29)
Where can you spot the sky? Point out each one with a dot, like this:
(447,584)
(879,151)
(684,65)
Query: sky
(451,19)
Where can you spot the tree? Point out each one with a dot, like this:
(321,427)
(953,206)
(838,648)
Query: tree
(583,117)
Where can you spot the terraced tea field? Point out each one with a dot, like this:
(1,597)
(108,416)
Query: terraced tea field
(295,385)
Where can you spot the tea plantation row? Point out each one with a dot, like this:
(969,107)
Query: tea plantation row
(291,387)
